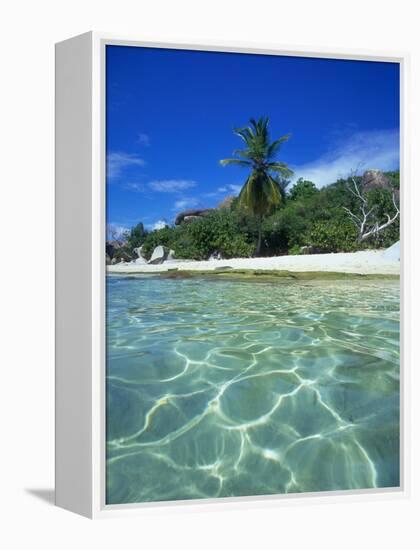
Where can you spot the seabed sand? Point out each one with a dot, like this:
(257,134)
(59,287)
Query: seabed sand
(365,262)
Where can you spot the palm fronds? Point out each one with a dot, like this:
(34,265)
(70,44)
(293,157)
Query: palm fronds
(238,162)
(261,192)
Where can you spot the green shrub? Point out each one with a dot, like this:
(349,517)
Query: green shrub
(155,238)
(307,217)
(381,201)
(136,236)
(333,236)
(236,247)
(303,189)
(295,250)
(220,231)
(289,225)
(123,253)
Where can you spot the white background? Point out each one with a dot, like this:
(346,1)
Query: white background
(28,32)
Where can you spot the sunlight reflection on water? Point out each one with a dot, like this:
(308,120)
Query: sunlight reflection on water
(229,388)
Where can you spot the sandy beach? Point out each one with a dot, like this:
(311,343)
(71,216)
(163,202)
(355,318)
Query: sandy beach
(366,262)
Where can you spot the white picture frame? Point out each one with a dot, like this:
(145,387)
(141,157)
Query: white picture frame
(80,286)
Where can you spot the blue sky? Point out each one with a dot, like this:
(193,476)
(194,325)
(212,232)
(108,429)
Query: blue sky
(170,115)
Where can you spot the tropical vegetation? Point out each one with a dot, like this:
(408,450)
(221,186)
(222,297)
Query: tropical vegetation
(262,192)
(306,220)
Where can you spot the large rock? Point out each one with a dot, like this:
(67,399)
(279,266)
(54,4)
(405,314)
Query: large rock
(190,215)
(122,255)
(309,249)
(392,253)
(138,252)
(375,179)
(140,259)
(216,255)
(160,253)
(171,256)
(227,202)
(112,246)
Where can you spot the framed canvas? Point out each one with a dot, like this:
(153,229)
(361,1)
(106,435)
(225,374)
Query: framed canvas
(230,331)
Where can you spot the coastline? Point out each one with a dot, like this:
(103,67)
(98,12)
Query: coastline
(366,262)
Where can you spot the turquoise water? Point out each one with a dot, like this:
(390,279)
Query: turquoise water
(229,388)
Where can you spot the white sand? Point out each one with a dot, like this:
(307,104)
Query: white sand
(372,262)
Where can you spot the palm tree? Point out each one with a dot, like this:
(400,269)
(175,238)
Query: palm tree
(261,192)
(284,183)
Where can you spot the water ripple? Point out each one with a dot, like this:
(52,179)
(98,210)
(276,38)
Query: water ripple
(228,388)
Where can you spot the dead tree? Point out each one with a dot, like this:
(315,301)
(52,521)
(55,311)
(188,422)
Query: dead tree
(365,220)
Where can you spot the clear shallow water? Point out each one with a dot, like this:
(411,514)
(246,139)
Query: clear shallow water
(228,388)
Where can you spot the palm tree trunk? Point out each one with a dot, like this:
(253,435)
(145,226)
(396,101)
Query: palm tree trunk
(258,249)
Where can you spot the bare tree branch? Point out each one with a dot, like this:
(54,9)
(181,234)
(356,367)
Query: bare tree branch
(353,217)
(367,223)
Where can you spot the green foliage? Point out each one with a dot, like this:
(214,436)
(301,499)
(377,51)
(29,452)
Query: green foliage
(290,225)
(333,235)
(316,217)
(283,182)
(220,231)
(394,179)
(155,238)
(302,189)
(295,250)
(136,236)
(123,254)
(309,217)
(381,201)
(263,190)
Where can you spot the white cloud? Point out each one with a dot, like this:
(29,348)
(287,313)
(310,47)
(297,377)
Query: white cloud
(362,151)
(186,202)
(171,186)
(136,187)
(116,231)
(117,162)
(160,186)
(160,224)
(230,188)
(143,139)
